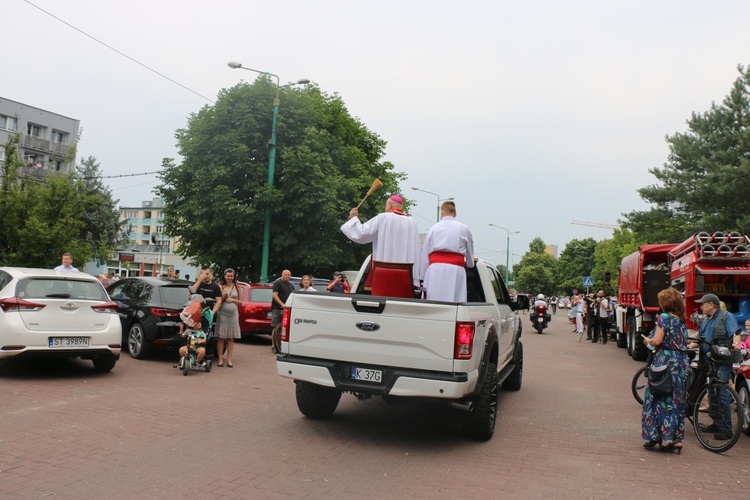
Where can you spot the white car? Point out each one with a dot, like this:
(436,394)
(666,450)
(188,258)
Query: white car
(46,313)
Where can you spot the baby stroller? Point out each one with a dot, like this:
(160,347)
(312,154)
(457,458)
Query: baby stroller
(197,318)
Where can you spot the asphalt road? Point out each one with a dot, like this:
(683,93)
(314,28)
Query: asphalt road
(144,430)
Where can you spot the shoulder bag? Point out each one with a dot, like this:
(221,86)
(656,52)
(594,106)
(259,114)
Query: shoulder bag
(659,380)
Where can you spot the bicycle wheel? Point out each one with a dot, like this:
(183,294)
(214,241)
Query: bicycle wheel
(639,384)
(708,424)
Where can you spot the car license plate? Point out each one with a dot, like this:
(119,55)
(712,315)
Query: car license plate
(69,341)
(539,320)
(367,374)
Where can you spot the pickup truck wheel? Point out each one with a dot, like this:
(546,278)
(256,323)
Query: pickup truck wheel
(316,401)
(513,382)
(480,422)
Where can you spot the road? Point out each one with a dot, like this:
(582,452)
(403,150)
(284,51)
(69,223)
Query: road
(144,430)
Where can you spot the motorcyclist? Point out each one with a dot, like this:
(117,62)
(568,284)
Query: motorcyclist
(540,301)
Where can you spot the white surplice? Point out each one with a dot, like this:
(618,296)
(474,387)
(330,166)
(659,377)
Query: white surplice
(447,282)
(394,238)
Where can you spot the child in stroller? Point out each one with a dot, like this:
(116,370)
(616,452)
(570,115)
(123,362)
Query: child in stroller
(193,353)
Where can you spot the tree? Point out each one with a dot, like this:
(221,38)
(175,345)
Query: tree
(215,199)
(47,215)
(535,273)
(575,262)
(102,229)
(609,254)
(701,186)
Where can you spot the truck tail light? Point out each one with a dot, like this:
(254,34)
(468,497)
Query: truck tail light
(464,340)
(285,324)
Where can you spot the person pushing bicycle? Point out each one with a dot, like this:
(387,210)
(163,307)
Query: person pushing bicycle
(719,327)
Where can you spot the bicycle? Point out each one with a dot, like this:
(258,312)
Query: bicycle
(707,419)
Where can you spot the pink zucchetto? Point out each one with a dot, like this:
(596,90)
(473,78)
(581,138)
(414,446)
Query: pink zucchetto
(397,199)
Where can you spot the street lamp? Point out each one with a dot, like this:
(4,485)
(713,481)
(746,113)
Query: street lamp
(507,249)
(271,162)
(438,200)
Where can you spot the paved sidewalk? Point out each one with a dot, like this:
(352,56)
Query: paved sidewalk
(144,430)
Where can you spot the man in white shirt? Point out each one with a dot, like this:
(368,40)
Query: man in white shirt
(67,263)
(447,251)
(393,234)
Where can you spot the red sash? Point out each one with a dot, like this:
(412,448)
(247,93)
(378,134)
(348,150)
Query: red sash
(455,259)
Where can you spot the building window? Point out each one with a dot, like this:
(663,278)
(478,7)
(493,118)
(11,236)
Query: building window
(58,165)
(129,214)
(8,123)
(160,229)
(34,130)
(58,137)
(2,155)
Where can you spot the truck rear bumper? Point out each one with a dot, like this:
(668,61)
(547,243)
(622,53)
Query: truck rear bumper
(395,381)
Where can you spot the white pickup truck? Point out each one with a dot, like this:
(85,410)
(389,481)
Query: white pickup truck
(450,353)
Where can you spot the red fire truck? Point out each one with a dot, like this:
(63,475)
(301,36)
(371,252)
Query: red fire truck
(715,263)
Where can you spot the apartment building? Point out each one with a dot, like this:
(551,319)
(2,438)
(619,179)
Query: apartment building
(46,137)
(149,251)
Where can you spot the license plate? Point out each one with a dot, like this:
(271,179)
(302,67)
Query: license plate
(540,320)
(69,341)
(367,374)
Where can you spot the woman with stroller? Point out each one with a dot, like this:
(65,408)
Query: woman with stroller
(228,317)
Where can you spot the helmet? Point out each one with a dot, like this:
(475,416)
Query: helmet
(540,296)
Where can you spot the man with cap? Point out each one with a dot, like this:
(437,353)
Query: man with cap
(719,326)
(448,250)
(339,284)
(393,234)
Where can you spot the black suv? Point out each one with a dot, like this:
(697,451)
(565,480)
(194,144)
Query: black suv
(149,310)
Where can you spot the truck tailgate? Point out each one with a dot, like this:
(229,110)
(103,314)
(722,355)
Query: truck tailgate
(373,330)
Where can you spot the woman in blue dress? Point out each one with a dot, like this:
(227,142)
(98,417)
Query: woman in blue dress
(663,420)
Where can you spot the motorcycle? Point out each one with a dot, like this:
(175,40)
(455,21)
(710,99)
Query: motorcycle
(540,318)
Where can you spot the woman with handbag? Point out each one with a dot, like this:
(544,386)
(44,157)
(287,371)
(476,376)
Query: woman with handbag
(665,400)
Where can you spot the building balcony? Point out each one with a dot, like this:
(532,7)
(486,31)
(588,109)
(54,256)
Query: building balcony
(43,145)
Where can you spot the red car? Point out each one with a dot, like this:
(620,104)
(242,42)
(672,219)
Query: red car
(255,312)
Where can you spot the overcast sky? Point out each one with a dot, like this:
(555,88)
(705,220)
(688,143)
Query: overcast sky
(529,114)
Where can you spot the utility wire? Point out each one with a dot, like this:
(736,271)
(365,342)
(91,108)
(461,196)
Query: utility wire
(121,53)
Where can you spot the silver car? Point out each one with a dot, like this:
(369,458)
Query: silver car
(46,313)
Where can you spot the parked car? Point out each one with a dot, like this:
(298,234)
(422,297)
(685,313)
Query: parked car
(149,310)
(255,312)
(46,313)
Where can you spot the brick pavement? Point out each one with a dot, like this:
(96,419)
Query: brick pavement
(144,430)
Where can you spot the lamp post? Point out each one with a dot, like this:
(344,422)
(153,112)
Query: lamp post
(438,200)
(507,248)
(271,163)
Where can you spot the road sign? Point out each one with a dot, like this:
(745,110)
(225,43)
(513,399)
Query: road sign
(588,281)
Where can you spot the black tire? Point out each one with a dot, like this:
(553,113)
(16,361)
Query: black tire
(104,364)
(639,350)
(622,340)
(744,395)
(539,327)
(639,384)
(316,401)
(513,382)
(629,336)
(137,345)
(480,422)
(209,365)
(186,364)
(703,419)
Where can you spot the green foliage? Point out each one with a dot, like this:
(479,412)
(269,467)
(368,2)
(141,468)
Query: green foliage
(535,273)
(575,262)
(608,256)
(43,217)
(215,200)
(701,186)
